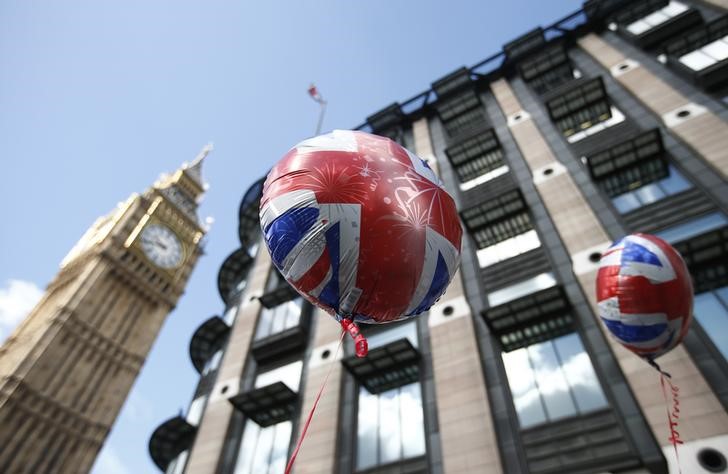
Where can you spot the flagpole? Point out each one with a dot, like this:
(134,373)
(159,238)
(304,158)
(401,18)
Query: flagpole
(322,111)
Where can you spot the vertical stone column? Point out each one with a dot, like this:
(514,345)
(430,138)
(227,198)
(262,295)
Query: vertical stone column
(467,435)
(582,235)
(318,452)
(211,432)
(695,125)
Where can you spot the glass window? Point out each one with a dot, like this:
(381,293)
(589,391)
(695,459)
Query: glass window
(674,183)
(626,202)
(393,333)
(177,465)
(213,362)
(616,117)
(279,318)
(194,413)
(476,156)
(656,18)
(484,178)
(498,219)
(230,315)
(289,374)
(275,279)
(581,107)
(693,227)
(461,113)
(522,288)
(552,380)
(711,311)
(548,70)
(390,426)
(264,450)
(508,248)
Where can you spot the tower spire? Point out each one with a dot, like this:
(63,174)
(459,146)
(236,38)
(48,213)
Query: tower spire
(194,170)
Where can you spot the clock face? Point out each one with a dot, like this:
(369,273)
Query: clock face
(161,246)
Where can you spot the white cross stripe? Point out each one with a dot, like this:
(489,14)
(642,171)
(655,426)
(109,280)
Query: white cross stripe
(338,140)
(421,169)
(434,243)
(311,246)
(278,206)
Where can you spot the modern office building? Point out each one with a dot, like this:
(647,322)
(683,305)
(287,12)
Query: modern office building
(68,367)
(610,121)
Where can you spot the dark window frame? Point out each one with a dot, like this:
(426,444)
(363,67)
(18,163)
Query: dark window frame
(581,107)
(476,155)
(460,113)
(547,71)
(630,164)
(499,219)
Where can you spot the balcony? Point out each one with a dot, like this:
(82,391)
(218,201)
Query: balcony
(529,43)
(387,122)
(249,222)
(232,273)
(701,54)
(267,405)
(652,22)
(279,295)
(282,332)
(530,319)
(207,340)
(386,367)
(169,440)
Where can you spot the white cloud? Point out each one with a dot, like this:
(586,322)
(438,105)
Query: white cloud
(109,462)
(17,298)
(138,408)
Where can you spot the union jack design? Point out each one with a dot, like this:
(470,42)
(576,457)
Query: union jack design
(361,227)
(644,295)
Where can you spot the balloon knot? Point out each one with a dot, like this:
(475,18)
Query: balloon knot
(361,346)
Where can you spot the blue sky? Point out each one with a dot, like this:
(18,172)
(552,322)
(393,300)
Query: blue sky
(98,98)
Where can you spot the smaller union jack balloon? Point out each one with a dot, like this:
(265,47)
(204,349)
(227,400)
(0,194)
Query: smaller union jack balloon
(361,227)
(644,295)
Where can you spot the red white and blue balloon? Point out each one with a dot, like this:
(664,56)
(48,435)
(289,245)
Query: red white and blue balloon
(644,295)
(361,227)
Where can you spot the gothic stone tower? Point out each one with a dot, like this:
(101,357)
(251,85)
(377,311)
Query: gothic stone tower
(67,369)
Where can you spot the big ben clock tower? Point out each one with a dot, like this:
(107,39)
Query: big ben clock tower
(67,369)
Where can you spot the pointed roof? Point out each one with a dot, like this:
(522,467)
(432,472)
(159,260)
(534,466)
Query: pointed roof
(194,170)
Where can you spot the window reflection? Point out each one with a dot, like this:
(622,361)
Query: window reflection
(693,227)
(213,362)
(390,426)
(552,380)
(711,311)
(508,248)
(656,18)
(194,413)
(177,465)
(522,288)
(393,333)
(674,183)
(279,318)
(264,450)
(230,315)
(617,117)
(289,374)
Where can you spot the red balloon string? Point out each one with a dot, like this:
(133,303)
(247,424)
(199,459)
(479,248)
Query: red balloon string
(360,342)
(670,393)
(313,408)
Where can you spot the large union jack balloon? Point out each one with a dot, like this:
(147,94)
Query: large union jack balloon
(644,295)
(360,227)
